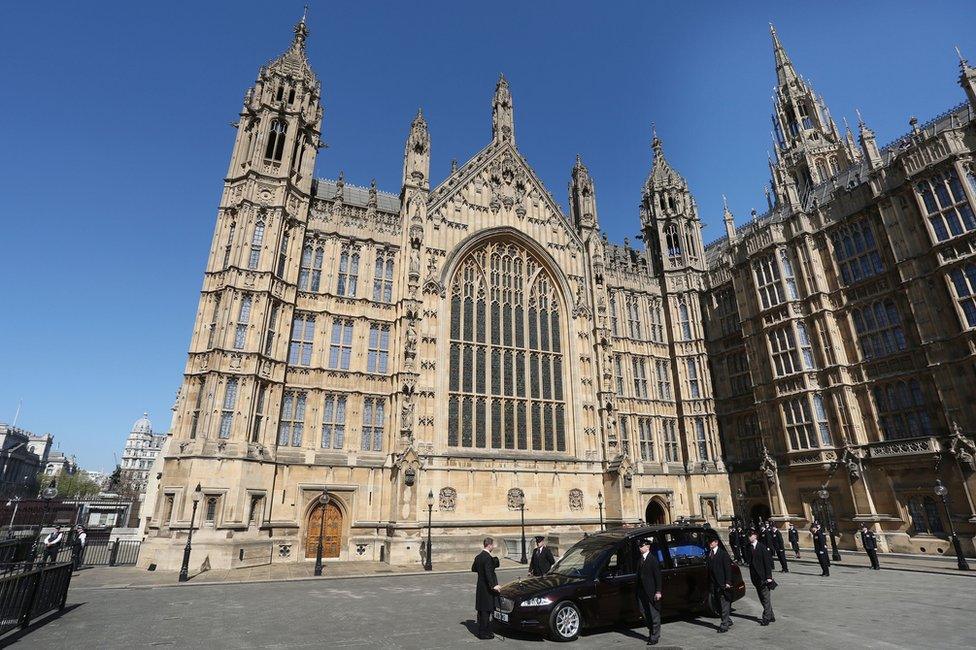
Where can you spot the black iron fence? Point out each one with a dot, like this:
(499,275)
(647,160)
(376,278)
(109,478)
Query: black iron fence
(27,546)
(32,592)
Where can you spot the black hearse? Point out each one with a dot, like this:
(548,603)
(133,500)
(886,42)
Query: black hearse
(594,583)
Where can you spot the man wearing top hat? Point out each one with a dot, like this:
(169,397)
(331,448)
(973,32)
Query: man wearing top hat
(649,584)
(542,559)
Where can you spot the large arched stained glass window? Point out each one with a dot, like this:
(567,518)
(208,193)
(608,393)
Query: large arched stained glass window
(506,357)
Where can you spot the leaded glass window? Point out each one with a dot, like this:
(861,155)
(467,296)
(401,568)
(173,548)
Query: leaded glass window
(657,321)
(946,206)
(310,270)
(964,285)
(383,276)
(856,252)
(333,421)
(227,412)
(243,318)
(302,337)
(646,438)
(694,386)
(902,411)
(633,316)
(340,350)
(506,353)
(671,450)
(878,327)
(257,241)
(379,348)
(640,377)
(768,281)
(799,424)
(348,271)
(701,438)
(374,417)
(291,426)
(684,319)
(663,369)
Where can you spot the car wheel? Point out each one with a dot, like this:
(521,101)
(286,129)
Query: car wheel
(565,622)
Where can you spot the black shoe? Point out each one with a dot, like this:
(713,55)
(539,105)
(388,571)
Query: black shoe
(764,622)
(731,623)
(723,630)
(652,642)
(784,570)
(772,620)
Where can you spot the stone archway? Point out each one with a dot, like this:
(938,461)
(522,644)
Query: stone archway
(758,514)
(328,519)
(655,514)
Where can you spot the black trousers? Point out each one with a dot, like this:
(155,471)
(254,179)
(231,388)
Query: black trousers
(724,598)
(796,549)
(874,559)
(824,563)
(652,616)
(484,624)
(51,554)
(781,554)
(735,553)
(767,603)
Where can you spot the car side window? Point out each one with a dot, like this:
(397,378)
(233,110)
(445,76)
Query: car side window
(687,547)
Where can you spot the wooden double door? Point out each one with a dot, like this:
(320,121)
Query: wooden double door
(328,519)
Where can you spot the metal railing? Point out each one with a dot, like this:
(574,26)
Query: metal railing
(28,594)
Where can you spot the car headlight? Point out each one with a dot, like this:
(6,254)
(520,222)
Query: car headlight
(537,602)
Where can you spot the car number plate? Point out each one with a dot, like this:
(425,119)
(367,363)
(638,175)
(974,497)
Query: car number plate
(501,616)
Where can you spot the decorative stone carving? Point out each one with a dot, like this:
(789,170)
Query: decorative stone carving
(576,499)
(508,184)
(447,499)
(767,465)
(962,448)
(516,497)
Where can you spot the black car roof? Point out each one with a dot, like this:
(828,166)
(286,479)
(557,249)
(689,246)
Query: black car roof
(617,534)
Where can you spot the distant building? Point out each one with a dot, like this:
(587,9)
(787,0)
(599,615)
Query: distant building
(19,464)
(40,445)
(57,462)
(96,476)
(141,448)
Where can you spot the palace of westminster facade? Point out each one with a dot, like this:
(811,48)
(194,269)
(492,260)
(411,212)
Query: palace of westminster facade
(468,352)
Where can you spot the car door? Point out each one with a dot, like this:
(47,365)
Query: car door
(686,582)
(615,587)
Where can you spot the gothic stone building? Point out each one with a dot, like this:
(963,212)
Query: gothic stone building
(466,342)
(842,326)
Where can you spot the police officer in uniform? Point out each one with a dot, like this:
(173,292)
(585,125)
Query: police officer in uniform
(820,548)
(649,585)
(870,543)
(761,574)
(794,536)
(778,548)
(734,542)
(720,581)
(542,559)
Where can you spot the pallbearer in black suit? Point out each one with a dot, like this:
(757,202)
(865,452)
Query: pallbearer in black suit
(487,589)
(744,544)
(734,542)
(761,574)
(870,543)
(542,559)
(778,547)
(649,584)
(820,548)
(794,536)
(720,581)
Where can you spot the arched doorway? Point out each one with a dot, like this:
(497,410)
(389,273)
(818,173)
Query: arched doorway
(655,513)
(759,513)
(328,519)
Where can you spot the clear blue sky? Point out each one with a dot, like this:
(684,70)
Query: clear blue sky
(116,137)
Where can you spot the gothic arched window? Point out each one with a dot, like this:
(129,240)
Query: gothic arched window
(276,141)
(506,357)
(673,242)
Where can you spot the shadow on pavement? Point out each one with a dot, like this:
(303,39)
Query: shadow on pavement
(39,623)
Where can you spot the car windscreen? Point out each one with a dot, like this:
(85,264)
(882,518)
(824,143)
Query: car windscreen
(582,560)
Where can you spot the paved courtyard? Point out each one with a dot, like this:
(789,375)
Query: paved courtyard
(852,608)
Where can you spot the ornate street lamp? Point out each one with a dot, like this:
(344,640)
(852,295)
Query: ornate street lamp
(942,492)
(185,568)
(521,506)
(599,502)
(323,501)
(831,524)
(15,502)
(428,566)
(48,495)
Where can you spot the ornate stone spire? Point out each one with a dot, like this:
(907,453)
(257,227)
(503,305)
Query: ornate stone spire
(416,154)
(582,197)
(502,112)
(662,174)
(728,219)
(785,74)
(294,61)
(967,78)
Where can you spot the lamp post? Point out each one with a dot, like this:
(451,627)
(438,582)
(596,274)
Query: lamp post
(831,524)
(521,504)
(48,494)
(323,501)
(16,503)
(942,492)
(185,567)
(599,502)
(428,566)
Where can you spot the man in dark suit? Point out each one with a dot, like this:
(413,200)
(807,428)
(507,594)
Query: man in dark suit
(487,589)
(761,574)
(720,581)
(649,584)
(734,542)
(778,547)
(744,543)
(794,536)
(542,559)
(820,548)
(870,543)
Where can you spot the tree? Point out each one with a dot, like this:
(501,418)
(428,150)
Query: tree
(70,486)
(118,483)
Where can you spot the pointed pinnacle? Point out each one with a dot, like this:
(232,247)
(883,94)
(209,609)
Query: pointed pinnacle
(305,14)
(962,59)
(860,120)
